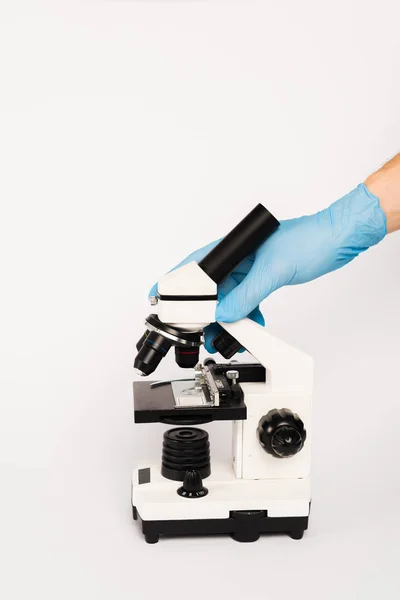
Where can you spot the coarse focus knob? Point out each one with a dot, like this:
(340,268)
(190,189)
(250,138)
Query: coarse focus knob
(281,433)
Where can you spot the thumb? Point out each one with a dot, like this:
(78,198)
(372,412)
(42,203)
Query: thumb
(154,290)
(244,298)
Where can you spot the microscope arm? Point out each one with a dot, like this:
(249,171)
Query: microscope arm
(288,369)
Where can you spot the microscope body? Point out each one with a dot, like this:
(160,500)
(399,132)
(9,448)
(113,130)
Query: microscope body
(265,486)
(187,297)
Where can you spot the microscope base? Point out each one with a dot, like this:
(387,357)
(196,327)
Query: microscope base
(242,508)
(246,526)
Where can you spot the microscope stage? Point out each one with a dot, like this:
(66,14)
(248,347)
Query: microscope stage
(158,404)
(209,396)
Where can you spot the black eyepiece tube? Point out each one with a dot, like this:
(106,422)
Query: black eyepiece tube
(239,243)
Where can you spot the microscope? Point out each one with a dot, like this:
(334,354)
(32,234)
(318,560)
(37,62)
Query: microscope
(265,487)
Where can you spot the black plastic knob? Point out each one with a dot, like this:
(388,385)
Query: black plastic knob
(226,344)
(282,433)
(192,485)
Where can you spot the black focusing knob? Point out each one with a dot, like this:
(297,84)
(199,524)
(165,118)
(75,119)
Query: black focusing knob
(192,485)
(281,433)
(226,344)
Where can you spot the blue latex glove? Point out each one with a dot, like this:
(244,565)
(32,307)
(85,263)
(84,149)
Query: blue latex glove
(305,248)
(300,250)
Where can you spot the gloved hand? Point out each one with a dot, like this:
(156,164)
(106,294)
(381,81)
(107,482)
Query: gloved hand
(300,250)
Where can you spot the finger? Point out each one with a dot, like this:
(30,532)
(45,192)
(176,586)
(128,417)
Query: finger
(244,298)
(257,316)
(235,278)
(154,290)
(211,332)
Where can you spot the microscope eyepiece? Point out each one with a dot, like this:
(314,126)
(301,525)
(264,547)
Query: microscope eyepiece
(254,229)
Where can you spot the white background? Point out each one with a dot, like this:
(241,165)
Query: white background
(132,132)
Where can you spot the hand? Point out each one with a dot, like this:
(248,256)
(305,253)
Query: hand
(300,250)
(305,248)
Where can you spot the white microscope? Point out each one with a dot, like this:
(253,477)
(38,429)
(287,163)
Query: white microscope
(266,485)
